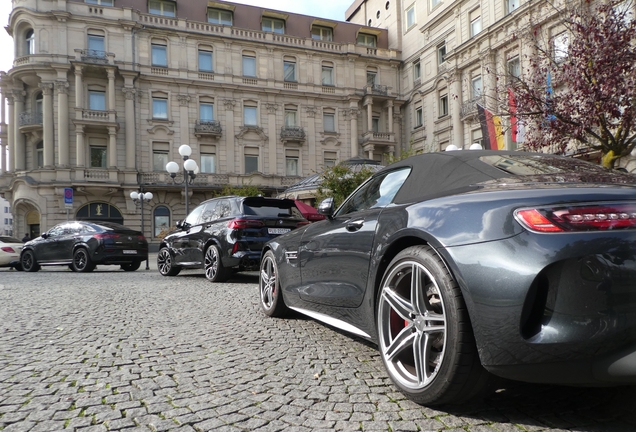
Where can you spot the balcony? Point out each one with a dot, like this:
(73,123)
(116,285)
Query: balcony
(88,117)
(95,57)
(378,138)
(376,89)
(468,109)
(208,128)
(292,133)
(31,123)
(29,118)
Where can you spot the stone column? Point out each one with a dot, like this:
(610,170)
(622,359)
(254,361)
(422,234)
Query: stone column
(3,127)
(184,121)
(112,147)
(80,148)
(229,135)
(63,148)
(111,89)
(19,152)
(389,105)
(228,58)
(397,120)
(368,101)
(47,125)
(10,135)
(311,138)
(129,112)
(273,135)
(353,112)
(79,88)
(455,99)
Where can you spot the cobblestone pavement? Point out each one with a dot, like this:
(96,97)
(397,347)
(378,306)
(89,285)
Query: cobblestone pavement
(112,350)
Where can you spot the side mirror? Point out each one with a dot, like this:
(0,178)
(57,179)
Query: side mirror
(180,224)
(45,235)
(326,207)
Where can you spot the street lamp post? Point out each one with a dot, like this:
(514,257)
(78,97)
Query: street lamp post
(139,198)
(190,170)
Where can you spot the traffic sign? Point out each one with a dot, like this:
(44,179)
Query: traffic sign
(68,198)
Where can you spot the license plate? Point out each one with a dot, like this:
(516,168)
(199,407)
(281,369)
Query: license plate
(278,230)
(130,252)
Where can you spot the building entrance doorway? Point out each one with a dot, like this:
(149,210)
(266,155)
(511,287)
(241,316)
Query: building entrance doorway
(33,224)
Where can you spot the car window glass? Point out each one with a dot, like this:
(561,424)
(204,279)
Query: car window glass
(377,192)
(56,231)
(210,212)
(4,239)
(224,209)
(193,217)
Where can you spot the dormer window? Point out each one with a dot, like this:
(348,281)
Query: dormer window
(219,16)
(100,2)
(273,25)
(162,7)
(366,40)
(321,33)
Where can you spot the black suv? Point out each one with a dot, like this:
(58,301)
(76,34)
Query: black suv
(226,233)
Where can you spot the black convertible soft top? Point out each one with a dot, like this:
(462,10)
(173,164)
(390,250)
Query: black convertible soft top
(443,173)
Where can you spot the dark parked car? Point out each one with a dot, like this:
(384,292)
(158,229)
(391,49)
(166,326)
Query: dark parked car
(83,245)
(466,265)
(225,234)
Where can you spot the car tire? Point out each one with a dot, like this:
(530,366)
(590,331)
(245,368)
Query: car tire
(425,336)
(272,301)
(131,266)
(71,268)
(165,263)
(82,261)
(28,261)
(214,270)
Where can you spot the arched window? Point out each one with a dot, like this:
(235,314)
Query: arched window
(161,219)
(30,43)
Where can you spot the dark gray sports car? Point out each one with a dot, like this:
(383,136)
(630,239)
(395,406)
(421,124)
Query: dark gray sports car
(467,265)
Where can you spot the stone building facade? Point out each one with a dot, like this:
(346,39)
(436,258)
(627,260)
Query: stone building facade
(456,54)
(102,93)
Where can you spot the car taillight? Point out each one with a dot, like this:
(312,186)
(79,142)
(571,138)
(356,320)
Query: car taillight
(141,238)
(103,236)
(8,249)
(244,223)
(299,224)
(595,217)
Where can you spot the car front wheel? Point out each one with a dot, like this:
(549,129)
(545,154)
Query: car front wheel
(425,336)
(28,261)
(82,261)
(165,263)
(214,270)
(271,298)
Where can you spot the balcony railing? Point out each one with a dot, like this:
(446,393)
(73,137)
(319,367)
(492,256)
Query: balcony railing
(469,108)
(94,56)
(292,133)
(202,179)
(29,118)
(378,138)
(376,89)
(207,127)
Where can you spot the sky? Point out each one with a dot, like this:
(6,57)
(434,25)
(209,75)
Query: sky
(331,9)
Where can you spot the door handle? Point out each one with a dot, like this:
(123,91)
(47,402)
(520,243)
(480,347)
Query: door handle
(354,225)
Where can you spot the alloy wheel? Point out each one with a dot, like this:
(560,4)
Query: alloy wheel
(268,282)
(412,325)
